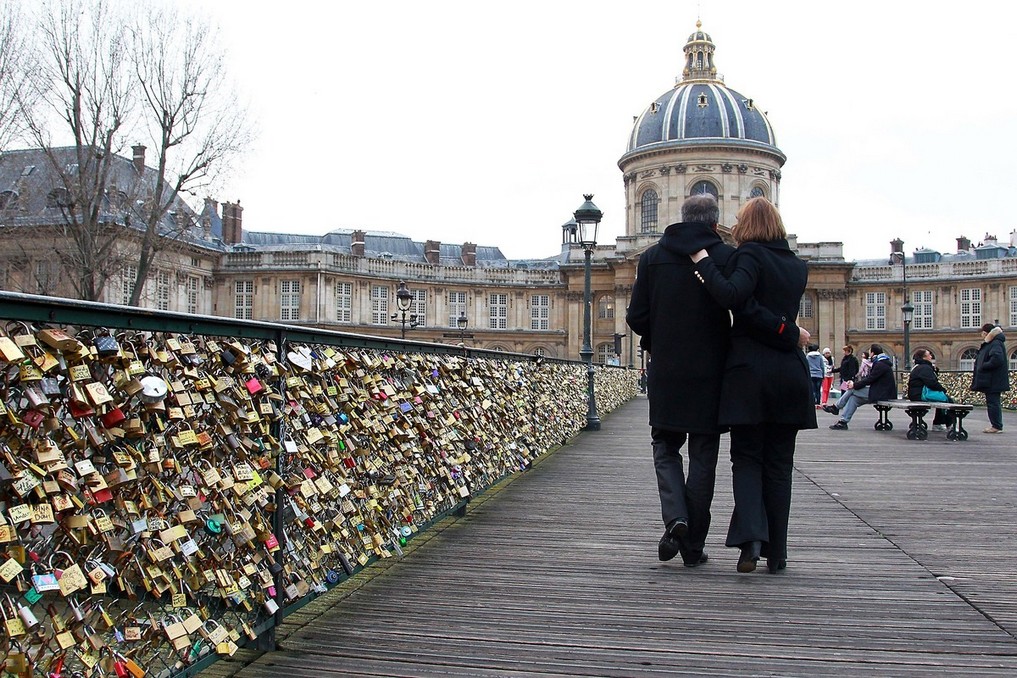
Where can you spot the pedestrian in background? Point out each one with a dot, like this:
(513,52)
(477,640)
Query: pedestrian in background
(827,376)
(991,375)
(817,370)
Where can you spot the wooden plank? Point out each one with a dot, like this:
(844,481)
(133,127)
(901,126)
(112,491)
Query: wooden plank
(901,563)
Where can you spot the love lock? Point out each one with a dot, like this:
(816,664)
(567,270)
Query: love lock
(153,389)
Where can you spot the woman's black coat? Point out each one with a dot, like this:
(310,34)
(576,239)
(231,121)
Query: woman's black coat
(762,383)
(991,374)
(923,374)
(848,369)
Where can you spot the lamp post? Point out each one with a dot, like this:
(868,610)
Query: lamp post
(461,322)
(897,256)
(588,218)
(404,299)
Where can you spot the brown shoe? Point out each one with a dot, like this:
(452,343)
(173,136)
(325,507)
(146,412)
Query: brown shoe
(992,429)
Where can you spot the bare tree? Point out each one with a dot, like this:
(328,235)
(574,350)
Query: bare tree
(15,71)
(192,117)
(105,78)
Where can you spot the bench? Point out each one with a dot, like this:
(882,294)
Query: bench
(917,409)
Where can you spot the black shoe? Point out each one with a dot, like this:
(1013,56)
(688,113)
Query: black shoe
(695,561)
(775,566)
(671,543)
(749,556)
(840,426)
(832,409)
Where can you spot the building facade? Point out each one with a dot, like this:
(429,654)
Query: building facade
(698,136)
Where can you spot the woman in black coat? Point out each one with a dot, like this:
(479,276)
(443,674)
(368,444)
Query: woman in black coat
(923,375)
(766,390)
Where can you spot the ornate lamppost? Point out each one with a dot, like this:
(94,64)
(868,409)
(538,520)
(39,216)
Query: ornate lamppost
(461,322)
(588,218)
(404,299)
(897,256)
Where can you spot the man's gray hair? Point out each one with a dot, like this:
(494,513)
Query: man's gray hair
(701,207)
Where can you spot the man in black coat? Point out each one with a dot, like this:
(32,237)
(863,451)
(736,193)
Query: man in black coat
(991,375)
(686,334)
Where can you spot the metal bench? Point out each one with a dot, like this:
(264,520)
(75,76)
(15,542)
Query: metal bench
(918,429)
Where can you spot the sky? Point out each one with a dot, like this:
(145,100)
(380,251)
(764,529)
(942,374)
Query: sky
(486,122)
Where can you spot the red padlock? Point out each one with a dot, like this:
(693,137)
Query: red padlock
(254,386)
(33,418)
(112,418)
(271,542)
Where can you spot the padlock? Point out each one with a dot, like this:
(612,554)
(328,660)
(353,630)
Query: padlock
(28,618)
(44,580)
(12,622)
(271,607)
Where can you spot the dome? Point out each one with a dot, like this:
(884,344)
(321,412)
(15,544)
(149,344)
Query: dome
(701,109)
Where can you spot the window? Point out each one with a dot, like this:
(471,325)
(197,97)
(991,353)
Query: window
(42,277)
(58,197)
(243,299)
(757,192)
(967,360)
(605,353)
(805,307)
(193,284)
(418,305)
(971,307)
(1013,361)
(344,302)
(497,311)
(379,305)
(162,291)
(875,310)
(605,307)
(289,300)
(922,318)
(648,212)
(456,307)
(540,312)
(701,187)
(1013,306)
(128,276)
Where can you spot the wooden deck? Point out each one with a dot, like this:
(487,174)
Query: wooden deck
(903,562)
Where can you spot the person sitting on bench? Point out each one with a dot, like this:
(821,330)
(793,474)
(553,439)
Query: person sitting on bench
(923,375)
(879,384)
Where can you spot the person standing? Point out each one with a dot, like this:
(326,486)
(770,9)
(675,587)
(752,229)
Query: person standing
(848,368)
(766,391)
(686,332)
(991,376)
(817,370)
(827,375)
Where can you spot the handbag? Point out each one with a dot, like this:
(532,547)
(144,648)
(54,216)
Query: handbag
(931,396)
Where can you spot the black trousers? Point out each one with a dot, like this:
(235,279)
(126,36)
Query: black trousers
(762,458)
(686,497)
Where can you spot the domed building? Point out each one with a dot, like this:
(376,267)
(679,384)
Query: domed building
(698,137)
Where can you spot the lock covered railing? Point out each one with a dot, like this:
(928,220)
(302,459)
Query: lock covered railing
(172,485)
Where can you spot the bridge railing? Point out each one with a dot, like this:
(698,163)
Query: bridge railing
(172,485)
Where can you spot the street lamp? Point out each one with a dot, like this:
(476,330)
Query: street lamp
(404,299)
(588,218)
(461,322)
(897,256)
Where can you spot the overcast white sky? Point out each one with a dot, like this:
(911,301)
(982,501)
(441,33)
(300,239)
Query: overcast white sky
(464,120)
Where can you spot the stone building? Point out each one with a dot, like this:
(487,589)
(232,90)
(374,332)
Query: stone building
(698,136)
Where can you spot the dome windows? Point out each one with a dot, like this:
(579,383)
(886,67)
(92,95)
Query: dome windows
(757,192)
(648,211)
(703,186)
(702,101)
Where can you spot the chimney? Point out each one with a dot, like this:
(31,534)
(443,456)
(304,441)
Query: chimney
(357,243)
(963,244)
(469,254)
(232,223)
(896,245)
(139,158)
(432,252)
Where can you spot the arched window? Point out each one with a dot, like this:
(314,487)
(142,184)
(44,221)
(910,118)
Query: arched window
(704,186)
(967,360)
(605,352)
(648,212)
(757,192)
(605,307)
